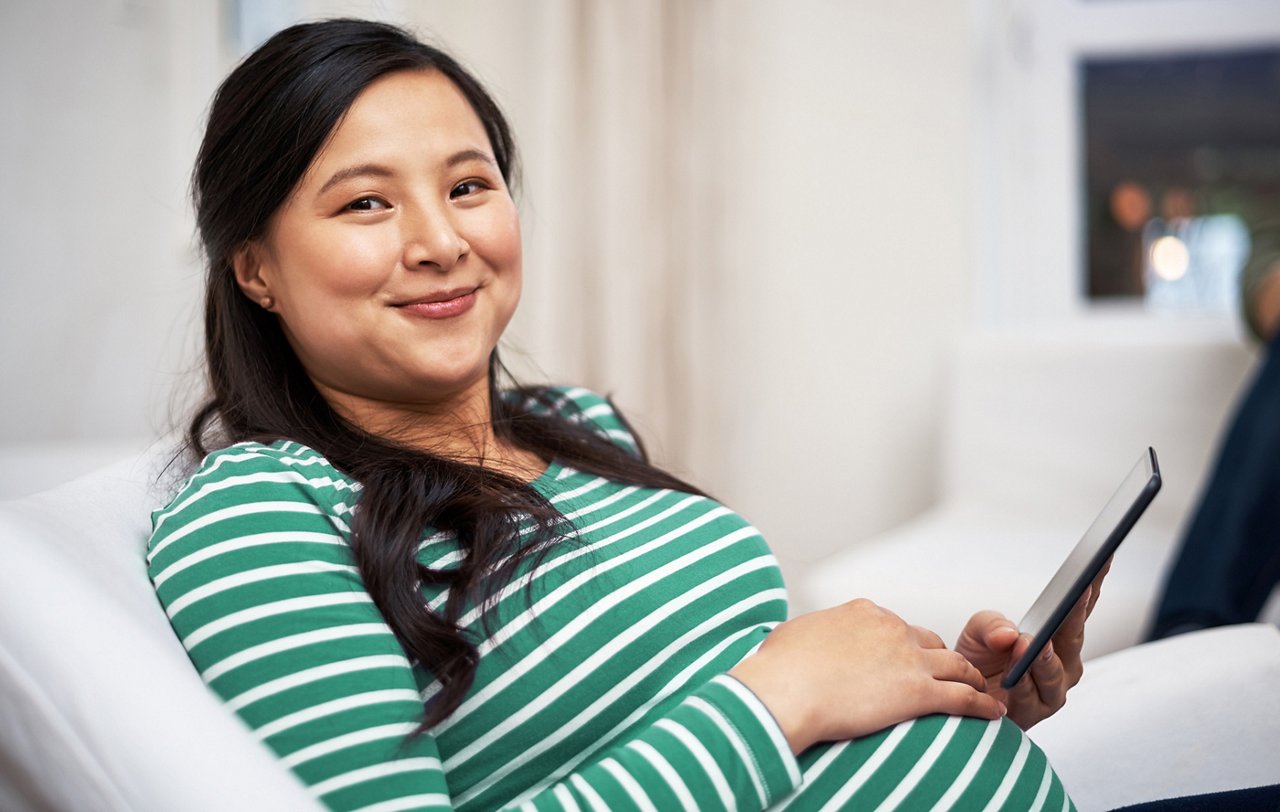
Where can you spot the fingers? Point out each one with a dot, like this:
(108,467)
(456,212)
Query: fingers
(1069,641)
(952,667)
(926,638)
(1049,678)
(987,641)
(1095,589)
(983,625)
(956,699)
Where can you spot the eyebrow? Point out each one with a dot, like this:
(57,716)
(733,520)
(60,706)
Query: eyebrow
(380,171)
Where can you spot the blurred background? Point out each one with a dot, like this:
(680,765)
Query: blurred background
(761,226)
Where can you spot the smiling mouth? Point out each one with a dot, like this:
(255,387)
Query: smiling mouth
(441,305)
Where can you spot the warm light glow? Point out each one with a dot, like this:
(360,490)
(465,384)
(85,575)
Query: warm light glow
(1130,205)
(1170,258)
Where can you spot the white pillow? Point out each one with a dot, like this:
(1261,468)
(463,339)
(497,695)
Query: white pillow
(100,709)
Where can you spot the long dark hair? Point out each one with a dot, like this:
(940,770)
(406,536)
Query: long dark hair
(267,122)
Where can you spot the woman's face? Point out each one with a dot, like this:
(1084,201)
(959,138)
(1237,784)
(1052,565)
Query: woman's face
(395,264)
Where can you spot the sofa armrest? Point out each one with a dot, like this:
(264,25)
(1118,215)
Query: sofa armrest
(1188,715)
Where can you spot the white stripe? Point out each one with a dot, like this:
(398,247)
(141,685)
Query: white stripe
(437,800)
(562,795)
(362,736)
(1042,794)
(373,772)
(1010,777)
(669,775)
(598,410)
(552,739)
(445,559)
(629,784)
(585,488)
(256,452)
(231,512)
(309,567)
(819,766)
(735,741)
(397,695)
(971,767)
(869,767)
(700,754)
(244,543)
(565,635)
(601,504)
(922,766)
(621,434)
(767,720)
(594,801)
(269,610)
(319,672)
(293,641)
(614,518)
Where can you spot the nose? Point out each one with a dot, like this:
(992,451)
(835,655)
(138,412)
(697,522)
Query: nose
(431,239)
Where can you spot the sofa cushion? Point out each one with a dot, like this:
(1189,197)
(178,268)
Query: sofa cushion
(101,708)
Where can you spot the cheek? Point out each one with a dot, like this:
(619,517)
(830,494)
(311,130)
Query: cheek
(497,237)
(338,263)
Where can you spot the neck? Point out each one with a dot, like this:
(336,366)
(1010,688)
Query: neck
(459,428)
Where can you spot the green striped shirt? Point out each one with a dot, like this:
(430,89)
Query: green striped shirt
(602,678)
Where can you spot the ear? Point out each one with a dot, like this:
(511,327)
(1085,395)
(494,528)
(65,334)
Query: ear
(248,265)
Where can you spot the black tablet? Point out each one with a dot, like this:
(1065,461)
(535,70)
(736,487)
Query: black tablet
(1085,561)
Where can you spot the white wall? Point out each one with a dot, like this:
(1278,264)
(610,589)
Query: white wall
(853,236)
(97,270)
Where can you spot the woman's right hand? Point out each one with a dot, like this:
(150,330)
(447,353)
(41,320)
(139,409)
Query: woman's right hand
(857,668)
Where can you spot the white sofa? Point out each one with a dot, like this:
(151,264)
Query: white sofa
(101,710)
(1041,425)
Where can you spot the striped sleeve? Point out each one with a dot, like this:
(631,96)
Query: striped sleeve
(252,564)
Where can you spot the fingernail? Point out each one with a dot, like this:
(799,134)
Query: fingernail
(1004,710)
(1048,650)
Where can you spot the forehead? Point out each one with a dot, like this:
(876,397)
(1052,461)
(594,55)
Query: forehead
(420,113)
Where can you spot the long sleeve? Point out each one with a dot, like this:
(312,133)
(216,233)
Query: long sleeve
(252,563)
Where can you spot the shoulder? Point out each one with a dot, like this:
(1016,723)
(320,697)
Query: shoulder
(254,479)
(582,407)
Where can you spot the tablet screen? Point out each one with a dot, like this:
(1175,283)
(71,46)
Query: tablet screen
(1085,561)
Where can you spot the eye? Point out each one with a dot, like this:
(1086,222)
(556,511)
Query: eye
(368,204)
(467,187)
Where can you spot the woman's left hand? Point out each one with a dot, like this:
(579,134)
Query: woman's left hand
(993,644)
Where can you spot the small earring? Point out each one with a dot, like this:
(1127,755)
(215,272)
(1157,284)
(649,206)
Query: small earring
(267,302)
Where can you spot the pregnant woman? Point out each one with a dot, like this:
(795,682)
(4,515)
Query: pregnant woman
(425,587)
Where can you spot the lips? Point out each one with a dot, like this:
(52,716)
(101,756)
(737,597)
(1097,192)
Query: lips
(440,304)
